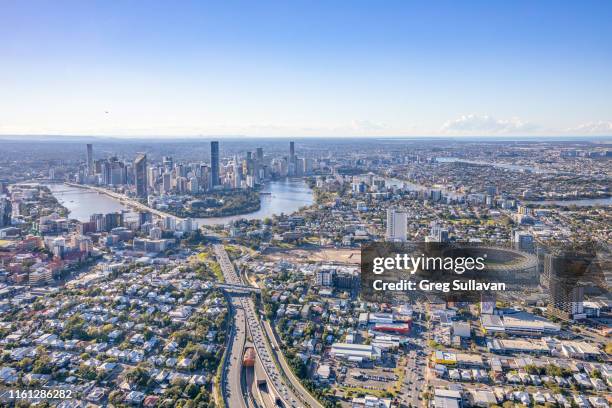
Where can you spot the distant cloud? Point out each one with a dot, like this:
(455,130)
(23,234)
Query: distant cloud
(601,127)
(483,125)
(367,126)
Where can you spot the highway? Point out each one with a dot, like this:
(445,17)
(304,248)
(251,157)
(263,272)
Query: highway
(262,348)
(295,382)
(232,385)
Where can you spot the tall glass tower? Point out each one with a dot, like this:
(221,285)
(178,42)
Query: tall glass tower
(140,172)
(214,163)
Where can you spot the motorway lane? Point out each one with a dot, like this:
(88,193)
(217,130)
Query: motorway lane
(287,396)
(287,370)
(232,390)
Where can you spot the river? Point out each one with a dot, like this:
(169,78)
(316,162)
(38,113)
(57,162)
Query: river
(82,203)
(282,196)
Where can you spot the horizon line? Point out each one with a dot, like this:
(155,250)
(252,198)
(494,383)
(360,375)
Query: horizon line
(42,137)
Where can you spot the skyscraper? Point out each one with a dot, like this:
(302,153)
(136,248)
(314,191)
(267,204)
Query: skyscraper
(566,294)
(140,175)
(397,225)
(167,161)
(90,162)
(237,173)
(259,165)
(214,163)
(291,165)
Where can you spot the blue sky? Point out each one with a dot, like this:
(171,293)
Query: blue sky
(306,68)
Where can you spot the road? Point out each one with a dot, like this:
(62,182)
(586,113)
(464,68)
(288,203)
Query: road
(279,357)
(237,288)
(126,200)
(260,342)
(295,382)
(232,385)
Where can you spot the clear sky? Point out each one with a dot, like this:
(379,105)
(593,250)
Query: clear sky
(306,68)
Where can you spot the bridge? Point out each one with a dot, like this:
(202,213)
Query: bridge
(237,288)
(286,392)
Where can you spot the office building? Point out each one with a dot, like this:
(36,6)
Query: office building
(214,164)
(144,217)
(113,220)
(292,164)
(397,225)
(523,241)
(140,176)
(437,234)
(324,277)
(237,173)
(166,186)
(168,163)
(90,161)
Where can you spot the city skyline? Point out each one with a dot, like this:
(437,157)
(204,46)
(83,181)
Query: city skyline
(475,69)
(313,273)
(306,204)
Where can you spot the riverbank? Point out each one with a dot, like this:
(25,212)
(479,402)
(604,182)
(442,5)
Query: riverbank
(276,197)
(226,204)
(279,196)
(81,203)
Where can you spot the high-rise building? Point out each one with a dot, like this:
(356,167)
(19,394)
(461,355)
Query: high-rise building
(167,162)
(118,174)
(249,164)
(397,225)
(325,277)
(437,234)
(308,166)
(566,295)
(258,165)
(237,173)
(140,175)
(166,183)
(144,217)
(90,161)
(291,165)
(113,220)
(205,176)
(523,241)
(214,163)
(6,211)
(193,185)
